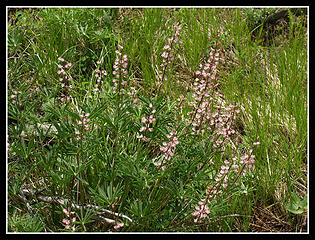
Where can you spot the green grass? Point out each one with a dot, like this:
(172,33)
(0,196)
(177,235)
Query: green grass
(111,167)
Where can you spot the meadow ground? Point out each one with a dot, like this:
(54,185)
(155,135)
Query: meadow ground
(157,120)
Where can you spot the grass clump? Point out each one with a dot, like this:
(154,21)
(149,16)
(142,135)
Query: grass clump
(155,120)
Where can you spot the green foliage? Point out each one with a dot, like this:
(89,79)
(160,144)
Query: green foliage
(24,223)
(109,164)
(256,16)
(296,205)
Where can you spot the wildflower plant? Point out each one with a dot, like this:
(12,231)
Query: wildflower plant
(70,219)
(15,98)
(167,56)
(83,125)
(99,74)
(118,225)
(120,71)
(168,150)
(134,158)
(147,124)
(204,88)
(65,78)
(231,174)
(9,147)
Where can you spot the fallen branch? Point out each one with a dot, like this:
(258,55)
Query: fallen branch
(100,214)
(30,210)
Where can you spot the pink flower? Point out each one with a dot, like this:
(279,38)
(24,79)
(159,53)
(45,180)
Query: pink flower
(235,166)
(167,47)
(142,129)
(158,164)
(68,65)
(163,149)
(66,221)
(69,222)
(143,119)
(118,225)
(9,149)
(164,54)
(202,211)
(61,59)
(65,212)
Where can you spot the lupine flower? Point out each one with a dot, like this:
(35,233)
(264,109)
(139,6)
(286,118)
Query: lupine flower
(70,220)
(118,225)
(8,147)
(64,79)
(15,96)
(256,143)
(100,74)
(204,87)
(132,93)
(120,66)
(223,125)
(168,149)
(84,123)
(202,115)
(119,77)
(147,124)
(167,55)
(68,65)
(230,174)
(202,210)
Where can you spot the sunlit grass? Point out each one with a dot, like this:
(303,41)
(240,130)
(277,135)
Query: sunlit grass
(113,163)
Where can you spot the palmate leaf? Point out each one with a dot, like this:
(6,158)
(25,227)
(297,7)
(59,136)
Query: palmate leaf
(293,209)
(107,194)
(296,205)
(303,202)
